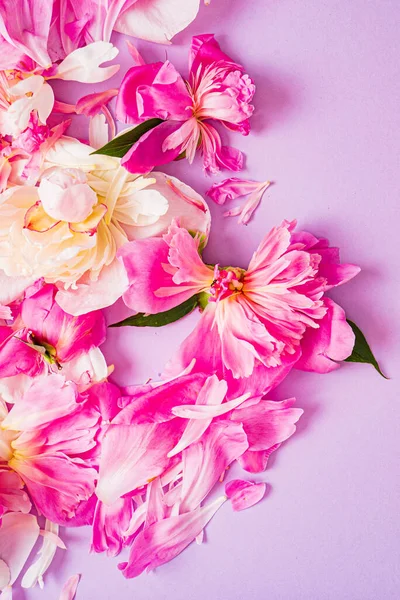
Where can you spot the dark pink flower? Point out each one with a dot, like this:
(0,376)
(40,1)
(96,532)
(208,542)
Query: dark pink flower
(217,90)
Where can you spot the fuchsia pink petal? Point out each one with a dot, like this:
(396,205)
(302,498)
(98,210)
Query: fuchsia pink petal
(164,540)
(244,494)
(110,524)
(323,349)
(147,153)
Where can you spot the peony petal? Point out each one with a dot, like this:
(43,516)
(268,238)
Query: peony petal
(83,64)
(69,590)
(46,554)
(157,20)
(323,349)
(244,494)
(87,297)
(18,535)
(165,539)
(205,461)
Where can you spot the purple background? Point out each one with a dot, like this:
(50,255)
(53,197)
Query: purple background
(326,131)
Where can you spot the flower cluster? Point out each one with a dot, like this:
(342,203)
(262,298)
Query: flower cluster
(84,223)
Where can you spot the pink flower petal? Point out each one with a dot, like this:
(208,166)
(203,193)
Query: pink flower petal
(244,494)
(69,590)
(165,539)
(157,20)
(18,535)
(268,423)
(323,349)
(205,461)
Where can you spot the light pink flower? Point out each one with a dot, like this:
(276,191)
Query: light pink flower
(232,188)
(217,89)
(254,317)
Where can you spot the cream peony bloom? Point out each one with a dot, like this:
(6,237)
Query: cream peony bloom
(68,229)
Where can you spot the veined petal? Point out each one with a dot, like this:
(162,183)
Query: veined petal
(83,64)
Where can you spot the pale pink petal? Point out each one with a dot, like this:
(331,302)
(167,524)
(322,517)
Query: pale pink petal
(69,590)
(164,540)
(92,104)
(157,20)
(5,575)
(13,497)
(323,349)
(46,554)
(93,295)
(12,288)
(65,195)
(18,535)
(210,397)
(244,494)
(83,64)
(205,462)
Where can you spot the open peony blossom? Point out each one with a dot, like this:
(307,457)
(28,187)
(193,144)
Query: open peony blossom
(218,89)
(69,228)
(46,340)
(254,317)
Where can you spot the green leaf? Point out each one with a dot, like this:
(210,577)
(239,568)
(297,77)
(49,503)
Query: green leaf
(162,318)
(120,145)
(362,353)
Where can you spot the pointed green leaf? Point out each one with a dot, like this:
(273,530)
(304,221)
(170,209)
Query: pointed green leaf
(362,353)
(162,318)
(120,145)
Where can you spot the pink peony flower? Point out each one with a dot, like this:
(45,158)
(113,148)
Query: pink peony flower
(44,339)
(217,89)
(254,318)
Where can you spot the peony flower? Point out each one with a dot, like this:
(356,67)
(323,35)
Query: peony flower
(253,318)
(217,89)
(45,443)
(44,339)
(68,229)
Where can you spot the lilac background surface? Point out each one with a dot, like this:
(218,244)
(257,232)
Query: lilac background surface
(326,131)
